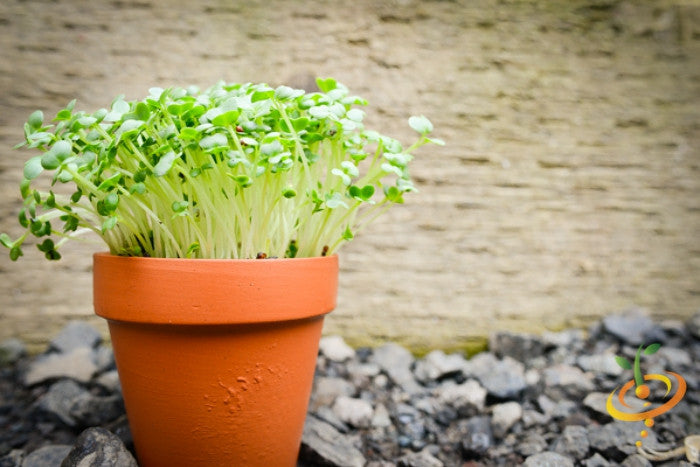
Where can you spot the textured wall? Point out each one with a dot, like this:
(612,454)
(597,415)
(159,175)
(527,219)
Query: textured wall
(570,186)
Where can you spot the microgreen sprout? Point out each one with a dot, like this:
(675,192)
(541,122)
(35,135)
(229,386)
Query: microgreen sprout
(235,171)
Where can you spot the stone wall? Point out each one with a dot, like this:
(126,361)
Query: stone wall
(569,188)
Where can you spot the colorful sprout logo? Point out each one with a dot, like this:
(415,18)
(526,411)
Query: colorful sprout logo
(644,385)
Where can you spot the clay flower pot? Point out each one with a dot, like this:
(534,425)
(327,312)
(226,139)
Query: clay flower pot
(216,357)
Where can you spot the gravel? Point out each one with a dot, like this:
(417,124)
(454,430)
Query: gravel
(530,400)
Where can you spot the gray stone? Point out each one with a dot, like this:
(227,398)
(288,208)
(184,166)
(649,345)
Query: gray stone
(327,389)
(617,439)
(673,357)
(361,374)
(396,361)
(91,410)
(636,460)
(559,409)
(78,364)
(110,381)
(59,399)
(505,415)
(467,398)
(74,335)
(13,458)
(326,414)
(596,460)
(478,437)
(47,456)
(521,347)
(573,442)
(569,377)
(600,364)
(596,401)
(11,350)
(381,417)
(437,365)
(693,325)
(322,444)
(335,349)
(504,378)
(533,443)
(75,406)
(355,412)
(97,447)
(568,339)
(548,459)
(419,459)
(104,358)
(631,327)
(533,417)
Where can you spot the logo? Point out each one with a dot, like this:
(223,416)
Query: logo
(645,387)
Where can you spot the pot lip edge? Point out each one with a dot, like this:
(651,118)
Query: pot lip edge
(113,257)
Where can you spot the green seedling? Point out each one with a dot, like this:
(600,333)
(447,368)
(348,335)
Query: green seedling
(230,172)
(641,390)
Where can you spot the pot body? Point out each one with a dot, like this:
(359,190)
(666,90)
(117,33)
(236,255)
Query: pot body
(216,357)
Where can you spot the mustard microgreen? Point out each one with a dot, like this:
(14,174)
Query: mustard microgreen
(235,171)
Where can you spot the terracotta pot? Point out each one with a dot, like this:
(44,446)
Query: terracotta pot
(216,357)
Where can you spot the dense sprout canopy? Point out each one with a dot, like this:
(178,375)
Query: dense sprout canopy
(235,171)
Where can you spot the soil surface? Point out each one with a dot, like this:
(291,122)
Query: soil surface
(569,187)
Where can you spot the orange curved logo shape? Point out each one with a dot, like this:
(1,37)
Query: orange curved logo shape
(668,405)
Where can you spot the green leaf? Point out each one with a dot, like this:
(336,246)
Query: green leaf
(393,194)
(285,92)
(289,193)
(226,118)
(356,115)
(22,218)
(335,200)
(128,128)
(243,180)
(437,141)
(52,255)
(326,84)
(109,223)
(142,111)
(25,187)
(36,119)
(86,121)
(49,161)
(652,349)
(367,192)
(15,253)
(179,206)
(421,124)
(347,234)
(138,188)
(46,246)
(189,134)
(110,182)
(5,240)
(71,223)
(217,140)
(75,197)
(32,168)
(164,164)
(111,201)
(64,114)
(623,362)
(272,148)
(262,95)
(193,248)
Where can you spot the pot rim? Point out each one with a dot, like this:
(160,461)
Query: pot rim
(213,291)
